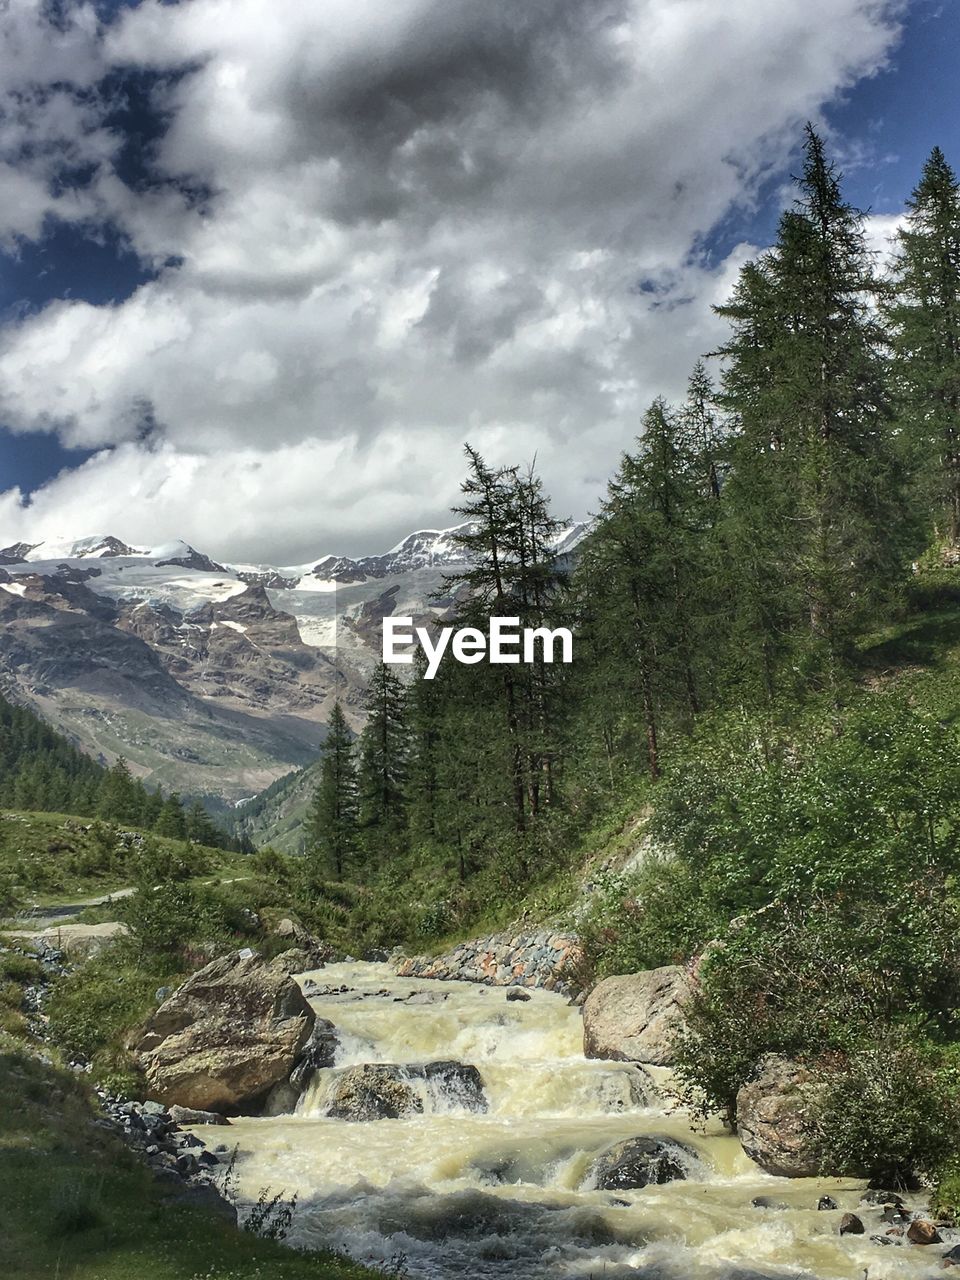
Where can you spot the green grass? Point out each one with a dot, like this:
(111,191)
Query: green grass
(75,1204)
(57,858)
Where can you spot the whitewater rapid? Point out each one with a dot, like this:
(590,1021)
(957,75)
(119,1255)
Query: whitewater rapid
(509,1192)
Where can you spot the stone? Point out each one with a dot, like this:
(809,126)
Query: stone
(518,993)
(387,1091)
(186,1141)
(775,1119)
(768,1202)
(827,1202)
(224,1038)
(851,1225)
(320,1051)
(923,1232)
(874,1196)
(187,1115)
(297,960)
(952,1257)
(641,1162)
(633,1017)
(374,1091)
(187,1164)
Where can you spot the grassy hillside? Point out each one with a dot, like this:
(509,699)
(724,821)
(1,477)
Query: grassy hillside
(55,857)
(276,816)
(77,1205)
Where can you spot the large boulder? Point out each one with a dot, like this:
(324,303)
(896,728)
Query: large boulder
(776,1119)
(224,1038)
(641,1162)
(632,1017)
(387,1091)
(374,1091)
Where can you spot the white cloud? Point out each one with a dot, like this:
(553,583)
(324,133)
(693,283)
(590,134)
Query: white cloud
(426,223)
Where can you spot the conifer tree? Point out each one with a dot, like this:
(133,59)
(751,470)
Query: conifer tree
(118,797)
(924,314)
(805,380)
(507,542)
(637,580)
(332,823)
(382,766)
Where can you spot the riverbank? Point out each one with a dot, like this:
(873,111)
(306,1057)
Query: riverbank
(75,1202)
(508,1183)
(544,958)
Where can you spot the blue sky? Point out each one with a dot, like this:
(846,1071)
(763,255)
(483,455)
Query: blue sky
(358,259)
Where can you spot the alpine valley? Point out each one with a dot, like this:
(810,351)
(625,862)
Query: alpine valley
(210,679)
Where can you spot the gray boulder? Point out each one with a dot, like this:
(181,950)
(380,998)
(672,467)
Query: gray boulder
(641,1162)
(374,1091)
(387,1091)
(776,1119)
(633,1017)
(224,1038)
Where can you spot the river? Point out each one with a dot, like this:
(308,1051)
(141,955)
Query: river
(510,1192)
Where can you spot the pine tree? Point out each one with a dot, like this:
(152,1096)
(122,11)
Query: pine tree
(507,542)
(172,823)
(118,796)
(382,767)
(703,430)
(332,823)
(924,314)
(638,585)
(805,380)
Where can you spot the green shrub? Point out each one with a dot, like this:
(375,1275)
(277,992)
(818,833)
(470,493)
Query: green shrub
(829,977)
(91,1008)
(169,919)
(891,1112)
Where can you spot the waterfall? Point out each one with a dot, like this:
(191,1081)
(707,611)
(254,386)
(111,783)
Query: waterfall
(501,1178)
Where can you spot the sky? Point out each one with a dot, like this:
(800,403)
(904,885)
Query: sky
(266,266)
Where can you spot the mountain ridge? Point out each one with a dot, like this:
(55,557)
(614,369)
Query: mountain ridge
(212,679)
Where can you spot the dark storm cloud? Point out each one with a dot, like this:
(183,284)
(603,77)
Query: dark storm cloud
(381,227)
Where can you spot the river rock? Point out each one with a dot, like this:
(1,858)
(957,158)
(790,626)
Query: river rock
(632,1017)
(875,1196)
(457,1082)
(387,1091)
(318,1052)
(374,1091)
(641,1162)
(186,1115)
(923,1232)
(851,1225)
(775,1119)
(224,1038)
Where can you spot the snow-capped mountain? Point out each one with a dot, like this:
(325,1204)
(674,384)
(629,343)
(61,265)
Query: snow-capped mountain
(211,678)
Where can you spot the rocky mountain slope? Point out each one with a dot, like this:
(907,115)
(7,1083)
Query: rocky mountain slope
(211,679)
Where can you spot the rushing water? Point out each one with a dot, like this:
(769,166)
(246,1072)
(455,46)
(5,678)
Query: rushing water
(509,1193)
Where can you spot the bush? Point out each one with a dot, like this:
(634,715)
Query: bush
(891,1113)
(653,917)
(830,977)
(92,1007)
(168,920)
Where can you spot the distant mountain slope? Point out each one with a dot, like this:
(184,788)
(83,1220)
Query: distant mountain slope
(211,679)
